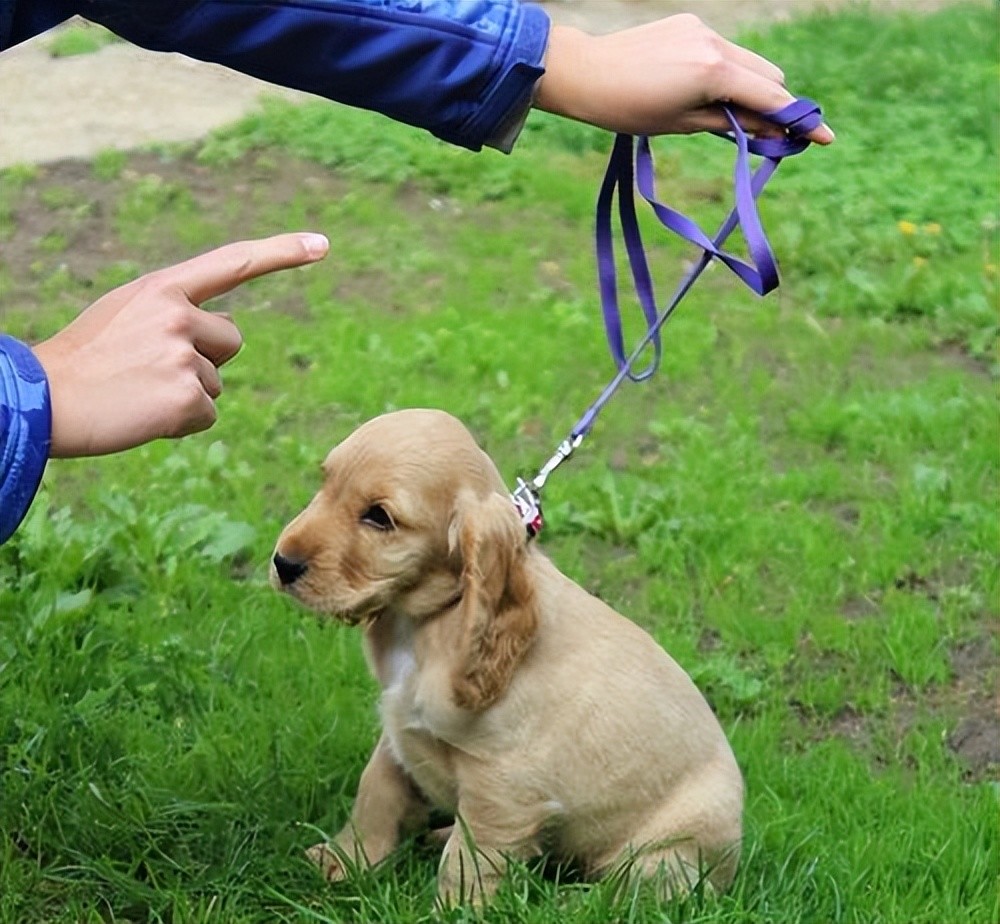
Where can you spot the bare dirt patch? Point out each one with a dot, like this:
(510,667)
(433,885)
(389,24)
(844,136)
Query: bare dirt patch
(970,702)
(976,739)
(68,219)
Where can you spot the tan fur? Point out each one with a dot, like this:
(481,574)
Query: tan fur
(511,697)
(498,608)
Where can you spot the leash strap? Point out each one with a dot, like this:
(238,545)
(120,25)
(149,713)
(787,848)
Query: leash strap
(631,165)
(760,274)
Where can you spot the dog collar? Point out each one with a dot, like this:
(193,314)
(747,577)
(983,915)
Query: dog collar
(527,496)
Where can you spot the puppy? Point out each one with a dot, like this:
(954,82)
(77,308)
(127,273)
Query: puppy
(510,696)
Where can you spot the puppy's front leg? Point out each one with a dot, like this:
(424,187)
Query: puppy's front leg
(476,854)
(388,803)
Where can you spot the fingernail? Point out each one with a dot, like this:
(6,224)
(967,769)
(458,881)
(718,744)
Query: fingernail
(316,245)
(833,137)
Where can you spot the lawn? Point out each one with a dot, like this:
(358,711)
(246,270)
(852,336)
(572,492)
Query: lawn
(801,507)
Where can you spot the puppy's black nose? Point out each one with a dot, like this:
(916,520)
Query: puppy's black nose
(289,569)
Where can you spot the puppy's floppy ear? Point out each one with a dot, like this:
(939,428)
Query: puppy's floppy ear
(498,608)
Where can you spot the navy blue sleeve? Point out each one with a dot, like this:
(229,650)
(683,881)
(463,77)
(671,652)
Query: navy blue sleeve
(458,68)
(22,19)
(25,430)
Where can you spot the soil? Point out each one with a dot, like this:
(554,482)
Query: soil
(976,739)
(124,97)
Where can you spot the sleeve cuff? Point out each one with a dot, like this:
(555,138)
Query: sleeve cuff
(499,120)
(25,431)
(505,135)
(507,132)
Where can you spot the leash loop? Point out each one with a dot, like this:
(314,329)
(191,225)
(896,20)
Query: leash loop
(760,274)
(630,167)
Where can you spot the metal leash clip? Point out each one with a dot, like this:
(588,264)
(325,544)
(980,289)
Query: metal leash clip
(529,507)
(527,496)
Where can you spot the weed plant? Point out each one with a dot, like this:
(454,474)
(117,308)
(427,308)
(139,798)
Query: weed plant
(79,38)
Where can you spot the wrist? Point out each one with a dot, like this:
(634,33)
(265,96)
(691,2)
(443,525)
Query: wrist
(563,88)
(47,356)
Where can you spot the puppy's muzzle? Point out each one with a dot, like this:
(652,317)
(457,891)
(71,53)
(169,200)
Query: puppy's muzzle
(289,570)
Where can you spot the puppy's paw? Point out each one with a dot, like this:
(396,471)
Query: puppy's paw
(325,858)
(473,891)
(468,874)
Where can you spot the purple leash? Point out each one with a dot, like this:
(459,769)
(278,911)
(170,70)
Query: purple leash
(627,169)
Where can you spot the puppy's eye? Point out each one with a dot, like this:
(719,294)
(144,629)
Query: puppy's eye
(377,517)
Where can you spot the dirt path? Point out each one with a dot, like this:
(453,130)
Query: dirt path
(124,97)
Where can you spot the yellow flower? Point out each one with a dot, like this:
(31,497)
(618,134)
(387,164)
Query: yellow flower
(990,269)
(932,228)
(919,261)
(907,227)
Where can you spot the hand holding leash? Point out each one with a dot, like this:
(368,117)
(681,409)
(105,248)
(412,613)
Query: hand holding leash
(667,77)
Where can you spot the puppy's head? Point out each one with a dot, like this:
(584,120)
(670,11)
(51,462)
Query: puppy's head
(413,518)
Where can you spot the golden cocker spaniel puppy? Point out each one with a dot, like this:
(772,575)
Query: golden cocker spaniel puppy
(511,697)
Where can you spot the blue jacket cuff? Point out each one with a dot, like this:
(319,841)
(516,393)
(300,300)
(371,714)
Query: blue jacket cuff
(514,90)
(25,431)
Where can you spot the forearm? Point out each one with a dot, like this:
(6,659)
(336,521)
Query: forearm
(458,68)
(25,431)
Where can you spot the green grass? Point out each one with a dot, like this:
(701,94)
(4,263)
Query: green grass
(79,38)
(802,507)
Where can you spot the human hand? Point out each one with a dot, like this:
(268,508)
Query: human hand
(665,77)
(142,362)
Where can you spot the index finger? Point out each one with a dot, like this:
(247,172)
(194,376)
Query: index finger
(223,269)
